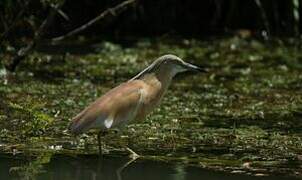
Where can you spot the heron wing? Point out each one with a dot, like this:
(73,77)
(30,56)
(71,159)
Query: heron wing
(116,107)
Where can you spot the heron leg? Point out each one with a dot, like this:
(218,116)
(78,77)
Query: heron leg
(100,142)
(101,134)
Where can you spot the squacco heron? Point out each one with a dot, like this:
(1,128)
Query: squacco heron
(131,100)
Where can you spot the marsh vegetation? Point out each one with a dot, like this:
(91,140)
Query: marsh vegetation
(243,116)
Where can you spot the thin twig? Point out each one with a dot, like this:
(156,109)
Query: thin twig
(60,12)
(263,15)
(296,16)
(12,25)
(111,11)
(24,51)
(4,23)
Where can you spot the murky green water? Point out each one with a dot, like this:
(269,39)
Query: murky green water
(244,115)
(110,168)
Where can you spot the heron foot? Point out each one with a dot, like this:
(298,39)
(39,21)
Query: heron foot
(132,155)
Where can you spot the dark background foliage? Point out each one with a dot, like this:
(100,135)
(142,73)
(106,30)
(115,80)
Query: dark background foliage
(158,17)
(195,17)
(190,18)
(24,24)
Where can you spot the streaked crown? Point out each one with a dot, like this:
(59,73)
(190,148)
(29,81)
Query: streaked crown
(170,63)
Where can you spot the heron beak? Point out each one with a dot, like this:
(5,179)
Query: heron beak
(192,67)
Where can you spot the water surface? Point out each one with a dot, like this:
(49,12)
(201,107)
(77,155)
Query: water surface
(246,110)
(109,168)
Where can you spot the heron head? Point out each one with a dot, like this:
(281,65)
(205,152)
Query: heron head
(175,64)
(169,65)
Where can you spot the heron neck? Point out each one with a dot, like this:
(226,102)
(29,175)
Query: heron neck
(164,77)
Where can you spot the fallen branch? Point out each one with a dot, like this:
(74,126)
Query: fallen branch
(111,11)
(24,51)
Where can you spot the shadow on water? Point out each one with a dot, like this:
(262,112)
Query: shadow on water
(110,168)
